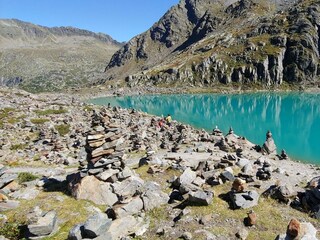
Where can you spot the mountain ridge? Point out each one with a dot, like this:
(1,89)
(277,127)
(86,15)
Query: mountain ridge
(39,58)
(236,42)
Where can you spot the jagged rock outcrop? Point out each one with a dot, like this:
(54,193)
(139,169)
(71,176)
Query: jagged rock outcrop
(205,43)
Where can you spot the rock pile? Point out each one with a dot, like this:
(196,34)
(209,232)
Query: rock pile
(105,179)
(310,199)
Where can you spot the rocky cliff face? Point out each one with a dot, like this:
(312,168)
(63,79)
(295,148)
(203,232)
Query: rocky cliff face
(41,58)
(209,42)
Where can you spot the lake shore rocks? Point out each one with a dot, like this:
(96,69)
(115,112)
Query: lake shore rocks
(141,173)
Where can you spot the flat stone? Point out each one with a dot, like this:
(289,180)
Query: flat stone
(7,178)
(8,205)
(45,225)
(113,144)
(96,144)
(11,187)
(26,194)
(100,152)
(95,137)
(96,225)
(106,174)
(125,173)
(244,200)
(128,225)
(131,208)
(104,162)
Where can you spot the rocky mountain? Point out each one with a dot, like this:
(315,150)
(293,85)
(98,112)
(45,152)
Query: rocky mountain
(207,43)
(46,59)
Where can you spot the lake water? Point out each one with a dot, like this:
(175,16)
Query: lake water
(293,118)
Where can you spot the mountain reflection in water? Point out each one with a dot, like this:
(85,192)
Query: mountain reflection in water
(293,119)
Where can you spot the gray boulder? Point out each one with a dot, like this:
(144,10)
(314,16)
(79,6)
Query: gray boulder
(200,197)
(127,188)
(244,200)
(131,208)
(26,194)
(96,225)
(45,224)
(152,196)
(187,177)
(128,225)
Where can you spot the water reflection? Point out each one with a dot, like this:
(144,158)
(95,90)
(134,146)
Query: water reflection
(294,119)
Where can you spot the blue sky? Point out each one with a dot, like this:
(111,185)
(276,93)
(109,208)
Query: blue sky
(122,19)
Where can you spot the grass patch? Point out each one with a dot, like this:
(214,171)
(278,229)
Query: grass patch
(63,129)
(50,111)
(26,177)
(11,230)
(39,120)
(88,109)
(18,146)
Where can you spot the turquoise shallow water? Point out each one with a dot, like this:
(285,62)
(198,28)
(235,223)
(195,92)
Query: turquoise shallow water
(293,119)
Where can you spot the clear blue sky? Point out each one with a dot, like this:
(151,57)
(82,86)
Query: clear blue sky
(121,19)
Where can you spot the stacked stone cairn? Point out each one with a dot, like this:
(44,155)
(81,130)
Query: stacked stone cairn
(106,180)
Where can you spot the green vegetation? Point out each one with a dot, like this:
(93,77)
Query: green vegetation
(87,108)
(50,111)
(18,146)
(26,177)
(39,120)
(11,230)
(63,129)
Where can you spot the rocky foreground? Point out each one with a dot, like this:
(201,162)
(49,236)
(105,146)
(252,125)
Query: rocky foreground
(69,170)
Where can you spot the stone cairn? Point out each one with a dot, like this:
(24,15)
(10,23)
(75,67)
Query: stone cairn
(105,179)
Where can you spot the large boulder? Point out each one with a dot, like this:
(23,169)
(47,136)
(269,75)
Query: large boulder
(128,188)
(203,198)
(130,208)
(90,188)
(152,196)
(45,224)
(96,225)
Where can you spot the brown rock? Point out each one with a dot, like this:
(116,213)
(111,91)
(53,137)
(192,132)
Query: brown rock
(96,144)
(3,198)
(100,152)
(239,185)
(90,188)
(95,137)
(11,187)
(294,228)
(251,219)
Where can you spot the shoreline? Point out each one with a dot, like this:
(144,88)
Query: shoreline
(47,149)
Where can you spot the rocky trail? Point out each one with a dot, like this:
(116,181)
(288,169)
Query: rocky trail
(69,170)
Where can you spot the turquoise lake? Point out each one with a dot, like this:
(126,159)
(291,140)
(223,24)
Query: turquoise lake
(293,118)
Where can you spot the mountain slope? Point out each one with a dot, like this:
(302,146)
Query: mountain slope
(47,59)
(210,42)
